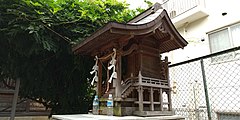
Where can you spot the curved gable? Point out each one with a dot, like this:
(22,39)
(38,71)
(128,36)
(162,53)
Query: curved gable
(154,22)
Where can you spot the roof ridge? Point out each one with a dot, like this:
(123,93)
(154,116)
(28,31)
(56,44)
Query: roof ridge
(146,13)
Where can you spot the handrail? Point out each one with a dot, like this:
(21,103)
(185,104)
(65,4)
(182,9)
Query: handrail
(128,82)
(154,81)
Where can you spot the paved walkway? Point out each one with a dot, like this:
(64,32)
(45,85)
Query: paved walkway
(104,117)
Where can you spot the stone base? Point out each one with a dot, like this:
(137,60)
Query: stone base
(117,109)
(127,111)
(126,108)
(172,117)
(153,113)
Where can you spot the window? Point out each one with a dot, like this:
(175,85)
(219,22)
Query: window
(219,41)
(235,32)
(223,39)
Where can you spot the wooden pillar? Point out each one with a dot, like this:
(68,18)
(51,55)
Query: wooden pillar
(140,92)
(161,99)
(140,78)
(169,101)
(118,88)
(140,60)
(119,76)
(140,98)
(167,70)
(109,86)
(15,97)
(99,83)
(169,91)
(151,100)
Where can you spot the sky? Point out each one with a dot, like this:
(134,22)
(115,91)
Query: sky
(139,3)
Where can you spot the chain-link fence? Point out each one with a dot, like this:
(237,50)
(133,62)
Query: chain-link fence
(207,88)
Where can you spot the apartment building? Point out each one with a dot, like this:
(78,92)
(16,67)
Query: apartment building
(209,26)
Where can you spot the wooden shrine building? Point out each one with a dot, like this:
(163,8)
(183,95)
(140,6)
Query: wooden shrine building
(129,64)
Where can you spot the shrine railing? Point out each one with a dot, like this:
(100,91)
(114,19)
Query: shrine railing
(154,81)
(144,81)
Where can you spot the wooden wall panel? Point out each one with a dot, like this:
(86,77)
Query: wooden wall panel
(151,66)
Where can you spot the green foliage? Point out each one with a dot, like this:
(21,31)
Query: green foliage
(35,45)
(149,3)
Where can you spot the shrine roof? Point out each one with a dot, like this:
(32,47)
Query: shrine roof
(153,22)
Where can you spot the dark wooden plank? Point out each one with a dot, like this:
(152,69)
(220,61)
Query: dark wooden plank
(6,91)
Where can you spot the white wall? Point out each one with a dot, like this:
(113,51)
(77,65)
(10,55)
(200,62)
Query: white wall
(195,31)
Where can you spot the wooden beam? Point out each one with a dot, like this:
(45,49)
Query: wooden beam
(150,48)
(150,54)
(130,50)
(123,41)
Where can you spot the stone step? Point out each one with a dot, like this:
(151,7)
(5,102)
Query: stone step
(153,113)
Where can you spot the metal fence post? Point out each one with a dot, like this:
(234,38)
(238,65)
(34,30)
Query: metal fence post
(206,90)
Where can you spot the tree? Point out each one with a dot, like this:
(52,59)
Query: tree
(35,46)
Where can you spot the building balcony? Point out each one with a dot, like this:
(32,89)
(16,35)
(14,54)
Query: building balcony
(185,11)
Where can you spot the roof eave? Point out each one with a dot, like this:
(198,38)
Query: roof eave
(134,29)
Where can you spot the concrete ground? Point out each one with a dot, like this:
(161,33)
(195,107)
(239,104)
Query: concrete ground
(104,117)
